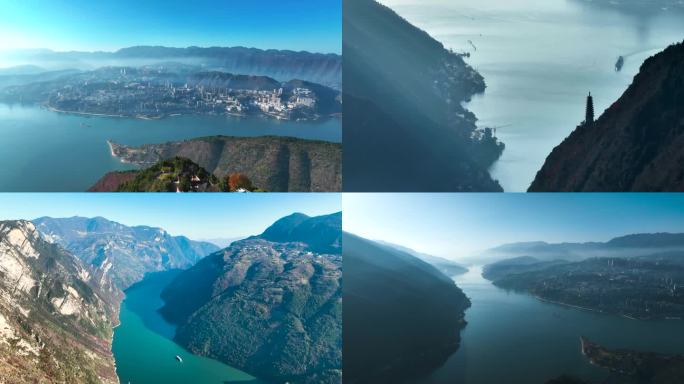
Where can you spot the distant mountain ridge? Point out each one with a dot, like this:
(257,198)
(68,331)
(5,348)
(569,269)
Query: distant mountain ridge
(270,304)
(121,252)
(56,315)
(636,145)
(280,64)
(447,267)
(623,246)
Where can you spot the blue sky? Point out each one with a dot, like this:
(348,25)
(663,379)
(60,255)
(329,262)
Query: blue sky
(313,25)
(456,225)
(198,216)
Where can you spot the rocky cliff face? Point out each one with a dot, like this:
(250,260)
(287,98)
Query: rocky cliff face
(270,305)
(56,316)
(402,317)
(405,128)
(274,164)
(123,253)
(636,145)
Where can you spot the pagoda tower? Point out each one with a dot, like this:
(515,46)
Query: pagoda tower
(589,119)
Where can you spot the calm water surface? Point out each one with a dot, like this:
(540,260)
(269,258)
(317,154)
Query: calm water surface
(42,150)
(539,59)
(144,351)
(515,338)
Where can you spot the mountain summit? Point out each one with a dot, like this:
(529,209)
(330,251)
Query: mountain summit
(270,305)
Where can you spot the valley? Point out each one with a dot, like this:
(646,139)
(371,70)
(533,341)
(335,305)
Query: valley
(175,308)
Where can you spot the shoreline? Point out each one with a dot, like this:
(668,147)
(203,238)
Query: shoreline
(166,116)
(626,316)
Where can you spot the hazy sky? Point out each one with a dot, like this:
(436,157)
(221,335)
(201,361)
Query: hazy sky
(313,25)
(198,216)
(457,225)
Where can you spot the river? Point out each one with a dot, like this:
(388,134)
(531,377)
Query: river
(515,338)
(540,59)
(44,151)
(144,351)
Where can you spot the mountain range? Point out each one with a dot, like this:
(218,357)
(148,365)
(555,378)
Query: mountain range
(623,246)
(270,305)
(446,266)
(123,253)
(279,64)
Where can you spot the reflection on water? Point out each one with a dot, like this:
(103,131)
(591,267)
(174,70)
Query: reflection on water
(515,338)
(539,60)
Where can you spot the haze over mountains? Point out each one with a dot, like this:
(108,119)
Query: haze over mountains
(404,91)
(447,267)
(624,246)
(282,65)
(402,316)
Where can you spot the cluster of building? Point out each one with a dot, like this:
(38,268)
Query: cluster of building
(136,98)
(272,103)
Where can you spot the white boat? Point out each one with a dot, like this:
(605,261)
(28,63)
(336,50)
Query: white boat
(180,360)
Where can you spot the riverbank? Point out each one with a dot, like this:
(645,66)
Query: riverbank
(267,115)
(500,321)
(144,349)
